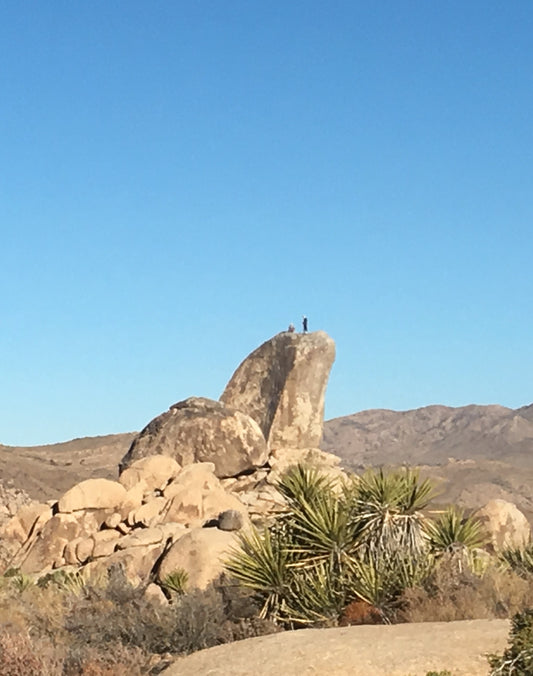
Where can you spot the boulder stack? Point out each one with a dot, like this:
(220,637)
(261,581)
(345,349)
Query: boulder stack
(196,475)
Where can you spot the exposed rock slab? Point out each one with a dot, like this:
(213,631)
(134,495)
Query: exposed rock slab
(202,430)
(282,386)
(367,650)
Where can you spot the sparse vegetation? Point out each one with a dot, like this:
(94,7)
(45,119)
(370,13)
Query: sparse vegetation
(365,550)
(517,659)
(369,550)
(175,583)
(365,540)
(60,627)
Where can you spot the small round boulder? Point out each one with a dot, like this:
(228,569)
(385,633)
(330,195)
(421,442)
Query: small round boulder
(230,520)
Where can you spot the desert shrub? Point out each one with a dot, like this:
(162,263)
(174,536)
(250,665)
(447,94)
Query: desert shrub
(520,559)
(222,613)
(113,629)
(120,614)
(517,659)
(116,660)
(453,593)
(175,583)
(366,542)
(22,656)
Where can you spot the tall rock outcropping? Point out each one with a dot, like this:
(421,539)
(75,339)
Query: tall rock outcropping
(282,386)
(194,475)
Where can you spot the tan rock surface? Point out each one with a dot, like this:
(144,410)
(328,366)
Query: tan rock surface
(93,494)
(19,527)
(367,650)
(48,546)
(155,470)
(505,523)
(282,386)
(201,553)
(202,430)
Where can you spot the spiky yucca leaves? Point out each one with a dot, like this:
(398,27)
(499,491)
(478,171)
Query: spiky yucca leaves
(452,528)
(387,510)
(331,548)
(380,579)
(303,483)
(175,583)
(262,563)
(520,559)
(316,595)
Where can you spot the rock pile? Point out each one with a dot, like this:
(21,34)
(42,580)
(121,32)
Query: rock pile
(194,476)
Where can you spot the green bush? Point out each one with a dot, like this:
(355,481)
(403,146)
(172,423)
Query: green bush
(517,660)
(366,540)
(520,559)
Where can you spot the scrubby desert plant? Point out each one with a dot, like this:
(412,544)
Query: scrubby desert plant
(450,593)
(517,659)
(366,541)
(520,559)
(452,530)
(175,583)
(22,656)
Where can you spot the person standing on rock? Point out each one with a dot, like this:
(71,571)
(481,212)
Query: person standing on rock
(304,323)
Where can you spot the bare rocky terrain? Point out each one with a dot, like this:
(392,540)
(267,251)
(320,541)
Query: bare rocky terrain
(45,472)
(393,650)
(475,453)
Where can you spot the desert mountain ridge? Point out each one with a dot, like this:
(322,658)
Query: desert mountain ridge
(475,452)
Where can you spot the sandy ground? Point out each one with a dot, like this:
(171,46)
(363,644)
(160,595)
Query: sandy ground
(396,650)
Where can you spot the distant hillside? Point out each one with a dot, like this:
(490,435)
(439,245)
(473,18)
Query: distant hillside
(477,452)
(45,472)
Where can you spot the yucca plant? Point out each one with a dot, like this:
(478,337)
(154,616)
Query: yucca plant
(316,595)
(520,559)
(387,508)
(331,548)
(261,563)
(175,583)
(18,580)
(303,483)
(452,529)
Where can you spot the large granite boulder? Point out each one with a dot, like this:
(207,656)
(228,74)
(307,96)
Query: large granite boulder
(505,525)
(92,494)
(282,385)
(201,553)
(202,430)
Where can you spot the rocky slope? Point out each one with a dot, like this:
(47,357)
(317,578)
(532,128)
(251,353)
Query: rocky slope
(475,452)
(45,472)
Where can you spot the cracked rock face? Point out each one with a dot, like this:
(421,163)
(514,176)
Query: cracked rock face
(202,430)
(282,386)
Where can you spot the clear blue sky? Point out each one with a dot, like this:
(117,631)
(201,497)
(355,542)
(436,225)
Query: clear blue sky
(182,179)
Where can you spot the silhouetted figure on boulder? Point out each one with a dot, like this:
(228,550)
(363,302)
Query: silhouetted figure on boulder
(304,323)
